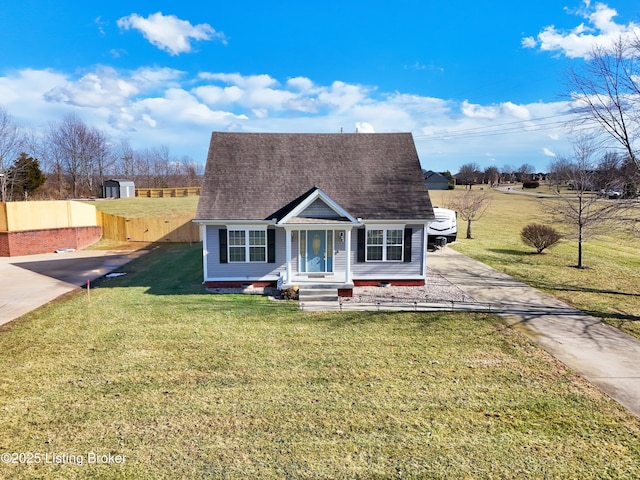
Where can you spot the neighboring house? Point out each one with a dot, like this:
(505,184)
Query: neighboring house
(291,209)
(436,181)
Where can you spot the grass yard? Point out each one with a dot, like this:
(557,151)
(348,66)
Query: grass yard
(139,207)
(189,385)
(609,288)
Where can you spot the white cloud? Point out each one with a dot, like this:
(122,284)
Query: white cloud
(364,127)
(479,111)
(158,107)
(301,84)
(105,87)
(517,111)
(95,89)
(168,32)
(343,96)
(548,153)
(600,30)
(252,91)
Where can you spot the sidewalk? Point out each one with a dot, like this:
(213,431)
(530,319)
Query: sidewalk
(600,353)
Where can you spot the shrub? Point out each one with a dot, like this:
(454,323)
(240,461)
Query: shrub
(530,184)
(539,236)
(289,294)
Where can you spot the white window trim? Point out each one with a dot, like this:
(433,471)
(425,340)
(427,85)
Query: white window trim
(247,246)
(384,245)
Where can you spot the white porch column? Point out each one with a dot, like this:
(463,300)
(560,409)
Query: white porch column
(425,240)
(287,244)
(347,252)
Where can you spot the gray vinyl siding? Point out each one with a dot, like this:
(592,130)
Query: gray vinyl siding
(243,270)
(391,270)
(319,209)
(271,271)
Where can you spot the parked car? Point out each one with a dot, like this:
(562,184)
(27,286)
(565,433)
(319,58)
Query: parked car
(614,194)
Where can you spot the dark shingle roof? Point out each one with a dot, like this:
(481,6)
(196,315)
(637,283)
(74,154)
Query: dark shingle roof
(254,176)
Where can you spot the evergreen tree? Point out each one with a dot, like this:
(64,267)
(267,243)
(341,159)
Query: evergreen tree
(26,177)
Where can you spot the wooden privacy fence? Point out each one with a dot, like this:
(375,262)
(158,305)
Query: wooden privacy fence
(149,229)
(168,192)
(40,215)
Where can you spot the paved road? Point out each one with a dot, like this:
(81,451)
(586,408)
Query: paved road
(27,282)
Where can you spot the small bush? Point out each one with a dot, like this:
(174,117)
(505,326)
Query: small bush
(539,236)
(530,184)
(289,294)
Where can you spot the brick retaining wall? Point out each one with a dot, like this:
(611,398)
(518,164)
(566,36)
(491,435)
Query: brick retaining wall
(30,242)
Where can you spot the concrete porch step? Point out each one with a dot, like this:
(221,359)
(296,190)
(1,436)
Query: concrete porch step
(318,293)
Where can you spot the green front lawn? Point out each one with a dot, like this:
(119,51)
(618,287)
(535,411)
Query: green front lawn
(609,288)
(189,385)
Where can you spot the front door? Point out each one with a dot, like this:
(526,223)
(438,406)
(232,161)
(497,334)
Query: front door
(316,251)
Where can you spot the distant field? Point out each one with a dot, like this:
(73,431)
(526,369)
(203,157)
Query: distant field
(609,288)
(147,207)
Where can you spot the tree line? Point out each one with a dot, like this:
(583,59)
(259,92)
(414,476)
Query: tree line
(72,160)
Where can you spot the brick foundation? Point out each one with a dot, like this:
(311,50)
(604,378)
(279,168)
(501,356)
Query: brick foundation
(239,284)
(31,242)
(395,283)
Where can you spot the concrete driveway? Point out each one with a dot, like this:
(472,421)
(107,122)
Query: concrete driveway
(600,353)
(27,282)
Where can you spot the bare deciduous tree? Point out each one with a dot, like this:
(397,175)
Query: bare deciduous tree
(10,144)
(607,91)
(583,212)
(491,175)
(470,206)
(79,152)
(468,174)
(525,172)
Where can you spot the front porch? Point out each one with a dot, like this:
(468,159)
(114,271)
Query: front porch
(319,255)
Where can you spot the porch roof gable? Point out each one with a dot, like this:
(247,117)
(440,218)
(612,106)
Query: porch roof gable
(296,211)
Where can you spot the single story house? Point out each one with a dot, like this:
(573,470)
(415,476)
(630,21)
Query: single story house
(436,181)
(288,209)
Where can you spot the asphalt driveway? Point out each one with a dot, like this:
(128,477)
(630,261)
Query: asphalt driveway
(27,282)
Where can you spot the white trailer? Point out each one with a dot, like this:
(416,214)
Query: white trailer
(445,226)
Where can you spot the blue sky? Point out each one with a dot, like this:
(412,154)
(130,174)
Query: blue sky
(473,81)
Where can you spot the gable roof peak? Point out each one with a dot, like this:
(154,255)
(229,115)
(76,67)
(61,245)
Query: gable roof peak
(259,175)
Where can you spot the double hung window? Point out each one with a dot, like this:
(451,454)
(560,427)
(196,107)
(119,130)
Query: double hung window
(385,244)
(247,245)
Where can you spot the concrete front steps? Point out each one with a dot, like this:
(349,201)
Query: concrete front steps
(318,293)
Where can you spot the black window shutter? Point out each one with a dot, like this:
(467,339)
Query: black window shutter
(271,245)
(407,244)
(222,235)
(362,244)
